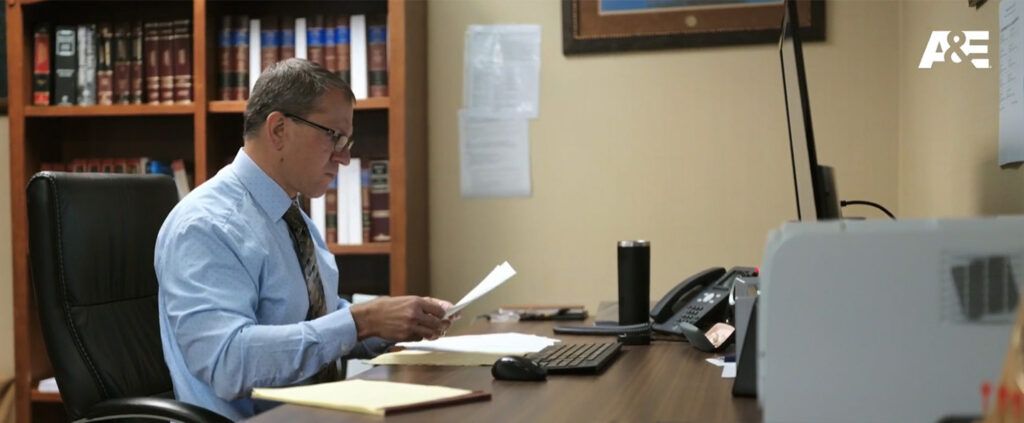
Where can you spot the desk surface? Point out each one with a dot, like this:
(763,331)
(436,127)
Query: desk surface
(665,381)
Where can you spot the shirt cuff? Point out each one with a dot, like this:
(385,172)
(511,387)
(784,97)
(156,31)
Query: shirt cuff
(337,333)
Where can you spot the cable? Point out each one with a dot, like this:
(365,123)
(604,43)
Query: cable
(845,203)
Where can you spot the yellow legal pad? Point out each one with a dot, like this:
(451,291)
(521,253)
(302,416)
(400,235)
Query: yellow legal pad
(371,396)
(436,358)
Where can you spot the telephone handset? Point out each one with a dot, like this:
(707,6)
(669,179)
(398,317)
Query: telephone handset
(683,304)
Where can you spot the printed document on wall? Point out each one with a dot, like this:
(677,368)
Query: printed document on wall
(495,156)
(1011,84)
(502,70)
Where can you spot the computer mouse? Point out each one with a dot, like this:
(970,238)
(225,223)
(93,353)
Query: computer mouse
(514,367)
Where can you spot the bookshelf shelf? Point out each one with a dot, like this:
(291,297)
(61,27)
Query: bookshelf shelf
(205,134)
(115,110)
(368,248)
(236,106)
(38,396)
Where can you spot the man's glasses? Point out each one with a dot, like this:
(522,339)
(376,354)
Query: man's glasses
(341,141)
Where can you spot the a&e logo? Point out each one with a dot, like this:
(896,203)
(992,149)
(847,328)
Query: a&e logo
(955,46)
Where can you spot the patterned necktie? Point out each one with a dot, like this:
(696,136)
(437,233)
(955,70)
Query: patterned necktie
(306,253)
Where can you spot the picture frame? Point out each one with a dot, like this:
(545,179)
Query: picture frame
(602,26)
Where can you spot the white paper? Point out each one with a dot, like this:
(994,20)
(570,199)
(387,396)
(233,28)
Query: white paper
(495,156)
(48,385)
(300,38)
(318,214)
(357,56)
(729,371)
(502,70)
(717,361)
(1011,84)
(499,275)
(255,54)
(511,343)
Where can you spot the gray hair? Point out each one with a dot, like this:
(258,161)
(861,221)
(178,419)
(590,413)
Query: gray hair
(289,86)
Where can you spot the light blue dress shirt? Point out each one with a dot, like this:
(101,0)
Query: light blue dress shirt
(232,297)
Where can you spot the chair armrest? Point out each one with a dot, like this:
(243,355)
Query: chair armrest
(151,408)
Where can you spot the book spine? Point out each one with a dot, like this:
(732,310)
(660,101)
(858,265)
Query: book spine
(226,72)
(270,41)
(183,61)
(41,66)
(364,191)
(377,37)
(66,66)
(300,39)
(287,38)
(315,39)
(330,47)
(380,214)
(240,64)
(87,64)
(255,52)
(122,65)
(78,165)
(342,43)
(331,233)
(137,77)
(105,66)
(152,62)
(166,42)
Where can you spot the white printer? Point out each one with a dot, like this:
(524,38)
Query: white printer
(885,321)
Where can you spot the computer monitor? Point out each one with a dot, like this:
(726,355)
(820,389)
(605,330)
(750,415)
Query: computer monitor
(816,197)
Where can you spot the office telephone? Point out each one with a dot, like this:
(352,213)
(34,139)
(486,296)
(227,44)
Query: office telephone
(700,300)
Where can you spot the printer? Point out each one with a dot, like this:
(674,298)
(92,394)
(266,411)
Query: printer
(885,321)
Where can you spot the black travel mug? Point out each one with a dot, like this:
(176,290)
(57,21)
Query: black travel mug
(634,281)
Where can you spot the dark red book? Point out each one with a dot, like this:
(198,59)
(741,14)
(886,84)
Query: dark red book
(137,76)
(226,51)
(287,38)
(151,45)
(380,190)
(377,40)
(315,39)
(165,43)
(182,45)
(122,64)
(105,65)
(342,44)
(240,64)
(270,41)
(41,81)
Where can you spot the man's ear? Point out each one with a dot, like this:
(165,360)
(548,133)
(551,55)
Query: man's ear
(274,129)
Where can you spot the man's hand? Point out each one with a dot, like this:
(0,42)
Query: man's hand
(407,318)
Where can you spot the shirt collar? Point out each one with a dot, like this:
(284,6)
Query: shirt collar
(268,194)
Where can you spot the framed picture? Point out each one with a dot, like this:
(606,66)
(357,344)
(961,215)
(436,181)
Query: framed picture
(598,26)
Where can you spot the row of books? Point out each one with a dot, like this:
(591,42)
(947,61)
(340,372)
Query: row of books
(355,209)
(124,63)
(134,165)
(353,47)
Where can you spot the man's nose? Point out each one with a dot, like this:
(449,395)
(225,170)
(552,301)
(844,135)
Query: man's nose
(342,158)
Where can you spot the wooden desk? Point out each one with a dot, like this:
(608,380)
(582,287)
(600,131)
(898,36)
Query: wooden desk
(665,381)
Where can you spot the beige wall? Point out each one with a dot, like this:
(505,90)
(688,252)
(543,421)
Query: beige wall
(949,121)
(686,148)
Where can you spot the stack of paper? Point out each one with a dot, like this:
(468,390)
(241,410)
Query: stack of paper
(509,343)
(370,396)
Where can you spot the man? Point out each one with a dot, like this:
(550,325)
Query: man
(248,290)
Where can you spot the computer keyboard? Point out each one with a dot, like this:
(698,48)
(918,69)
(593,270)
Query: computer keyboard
(577,358)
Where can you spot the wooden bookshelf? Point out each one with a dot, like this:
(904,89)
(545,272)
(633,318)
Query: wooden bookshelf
(206,134)
(223,106)
(115,110)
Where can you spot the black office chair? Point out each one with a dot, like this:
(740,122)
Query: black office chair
(91,240)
